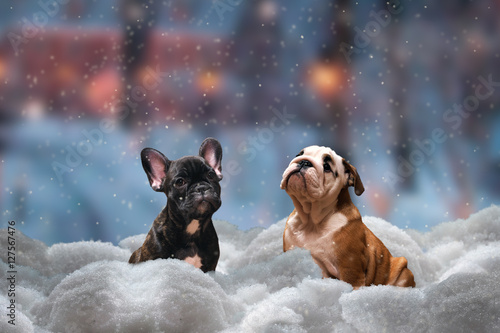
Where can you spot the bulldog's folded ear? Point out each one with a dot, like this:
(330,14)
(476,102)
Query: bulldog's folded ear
(353,178)
(211,151)
(155,165)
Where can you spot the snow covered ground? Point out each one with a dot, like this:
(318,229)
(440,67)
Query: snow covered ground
(89,287)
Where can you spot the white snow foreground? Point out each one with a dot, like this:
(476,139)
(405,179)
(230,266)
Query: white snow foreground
(90,287)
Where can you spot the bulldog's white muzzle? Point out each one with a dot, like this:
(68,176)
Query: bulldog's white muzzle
(313,173)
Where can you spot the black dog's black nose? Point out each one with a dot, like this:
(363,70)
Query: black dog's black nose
(201,188)
(305,164)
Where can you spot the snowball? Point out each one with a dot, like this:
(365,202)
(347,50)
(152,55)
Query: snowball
(266,245)
(22,323)
(132,243)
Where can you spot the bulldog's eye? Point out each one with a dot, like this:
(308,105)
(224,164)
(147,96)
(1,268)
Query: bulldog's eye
(327,167)
(211,175)
(180,182)
(300,154)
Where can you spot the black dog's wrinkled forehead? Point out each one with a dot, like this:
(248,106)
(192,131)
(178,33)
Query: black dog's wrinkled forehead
(189,165)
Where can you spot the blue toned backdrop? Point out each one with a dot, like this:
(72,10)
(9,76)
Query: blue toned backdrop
(409,92)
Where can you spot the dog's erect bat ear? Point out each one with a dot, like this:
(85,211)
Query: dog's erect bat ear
(211,151)
(353,178)
(156,165)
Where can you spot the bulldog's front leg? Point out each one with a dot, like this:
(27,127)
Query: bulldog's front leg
(328,270)
(354,275)
(351,271)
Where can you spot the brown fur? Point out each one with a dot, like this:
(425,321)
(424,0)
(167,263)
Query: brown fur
(361,258)
(326,222)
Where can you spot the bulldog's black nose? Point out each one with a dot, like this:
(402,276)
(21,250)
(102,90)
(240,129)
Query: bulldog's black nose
(304,164)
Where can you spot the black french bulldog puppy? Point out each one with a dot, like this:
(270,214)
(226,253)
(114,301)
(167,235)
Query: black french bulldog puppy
(184,229)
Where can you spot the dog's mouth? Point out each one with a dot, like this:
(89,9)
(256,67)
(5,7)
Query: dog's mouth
(206,204)
(302,182)
(299,173)
(212,203)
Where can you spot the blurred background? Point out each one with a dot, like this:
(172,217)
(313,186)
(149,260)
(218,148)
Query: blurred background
(407,91)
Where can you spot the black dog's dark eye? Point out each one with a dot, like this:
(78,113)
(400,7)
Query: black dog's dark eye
(211,175)
(327,167)
(180,182)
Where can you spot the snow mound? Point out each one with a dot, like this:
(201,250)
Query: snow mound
(90,287)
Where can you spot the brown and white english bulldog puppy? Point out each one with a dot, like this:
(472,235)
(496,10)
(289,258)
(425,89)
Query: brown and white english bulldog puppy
(326,222)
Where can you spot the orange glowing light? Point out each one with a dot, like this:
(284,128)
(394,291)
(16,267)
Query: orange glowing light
(3,68)
(326,79)
(208,81)
(102,89)
(66,74)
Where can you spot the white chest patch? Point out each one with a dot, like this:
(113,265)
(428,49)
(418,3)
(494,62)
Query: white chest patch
(319,241)
(195,261)
(321,237)
(193,226)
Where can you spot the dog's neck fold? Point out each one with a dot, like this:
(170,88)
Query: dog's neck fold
(314,213)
